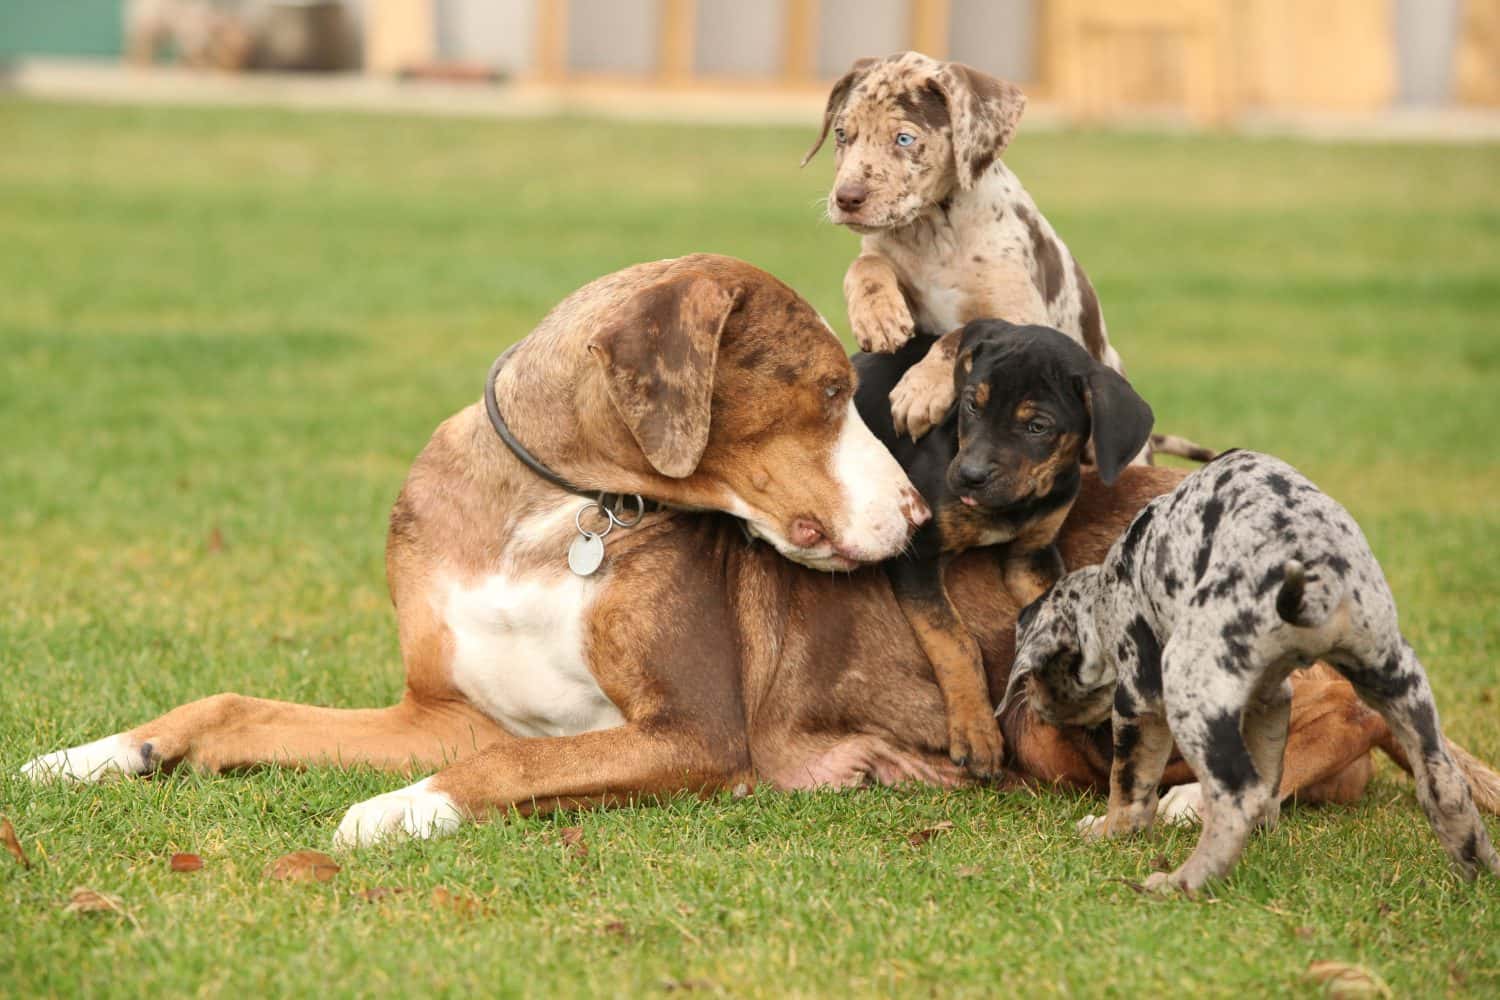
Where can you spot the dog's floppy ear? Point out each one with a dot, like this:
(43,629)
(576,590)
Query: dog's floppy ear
(658,355)
(985,112)
(1120,419)
(836,98)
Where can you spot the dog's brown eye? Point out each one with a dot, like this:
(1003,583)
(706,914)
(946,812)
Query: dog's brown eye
(1038,427)
(838,136)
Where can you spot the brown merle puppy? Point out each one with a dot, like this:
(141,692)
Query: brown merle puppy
(1002,468)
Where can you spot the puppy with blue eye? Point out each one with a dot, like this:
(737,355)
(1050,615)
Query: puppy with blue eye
(1189,631)
(1002,468)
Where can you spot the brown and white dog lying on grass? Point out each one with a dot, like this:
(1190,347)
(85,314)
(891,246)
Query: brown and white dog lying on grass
(948,234)
(693,659)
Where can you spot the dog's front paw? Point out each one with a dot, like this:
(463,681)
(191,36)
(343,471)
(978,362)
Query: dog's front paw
(1183,804)
(922,398)
(1093,827)
(413,811)
(977,745)
(118,754)
(880,321)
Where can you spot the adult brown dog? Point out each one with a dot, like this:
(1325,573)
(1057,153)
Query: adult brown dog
(694,659)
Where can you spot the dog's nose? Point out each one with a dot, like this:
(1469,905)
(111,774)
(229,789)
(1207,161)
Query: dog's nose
(851,196)
(807,533)
(972,474)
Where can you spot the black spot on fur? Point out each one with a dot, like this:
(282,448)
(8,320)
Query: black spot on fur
(1148,650)
(1126,561)
(1235,633)
(146,751)
(1424,721)
(1223,480)
(1386,683)
(1124,703)
(1220,589)
(1280,522)
(1212,511)
(1273,578)
(1470,853)
(1171,583)
(1280,485)
(1337,563)
(1227,757)
(1028,613)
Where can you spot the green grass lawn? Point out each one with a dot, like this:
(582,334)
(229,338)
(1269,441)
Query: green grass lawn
(225,334)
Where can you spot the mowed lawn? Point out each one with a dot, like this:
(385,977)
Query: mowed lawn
(225,334)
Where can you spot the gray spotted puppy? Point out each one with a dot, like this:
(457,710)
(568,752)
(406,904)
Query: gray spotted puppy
(1190,628)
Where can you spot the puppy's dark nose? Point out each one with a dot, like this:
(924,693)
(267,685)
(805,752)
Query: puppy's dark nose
(972,475)
(851,196)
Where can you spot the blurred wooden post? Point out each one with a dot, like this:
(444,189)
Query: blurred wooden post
(551,40)
(399,34)
(928,27)
(798,37)
(676,34)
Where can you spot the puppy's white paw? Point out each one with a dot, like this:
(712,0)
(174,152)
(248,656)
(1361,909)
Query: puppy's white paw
(1182,804)
(413,811)
(1091,827)
(117,754)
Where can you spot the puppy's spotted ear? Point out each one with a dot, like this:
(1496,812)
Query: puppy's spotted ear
(985,112)
(658,355)
(836,98)
(1120,420)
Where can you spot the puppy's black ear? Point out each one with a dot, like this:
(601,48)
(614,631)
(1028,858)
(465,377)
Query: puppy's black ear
(836,98)
(1121,421)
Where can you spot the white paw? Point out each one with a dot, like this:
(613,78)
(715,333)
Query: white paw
(413,811)
(1182,804)
(1091,827)
(117,754)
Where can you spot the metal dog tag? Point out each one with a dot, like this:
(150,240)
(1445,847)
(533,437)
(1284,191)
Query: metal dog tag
(585,553)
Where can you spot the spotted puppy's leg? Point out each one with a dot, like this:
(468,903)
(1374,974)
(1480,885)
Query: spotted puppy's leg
(1142,738)
(974,739)
(1396,686)
(878,313)
(1206,688)
(1267,720)
(926,392)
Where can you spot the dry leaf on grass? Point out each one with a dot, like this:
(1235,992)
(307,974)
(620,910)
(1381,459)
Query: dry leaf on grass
(215,541)
(572,838)
(689,985)
(466,906)
(968,871)
(86,900)
(13,843)
(302,866)
(185,862)
(919,837)
(1340,979)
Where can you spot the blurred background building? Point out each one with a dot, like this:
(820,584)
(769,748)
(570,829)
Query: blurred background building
(1206,61)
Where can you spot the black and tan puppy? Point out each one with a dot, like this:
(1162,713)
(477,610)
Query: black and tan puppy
(1002,468)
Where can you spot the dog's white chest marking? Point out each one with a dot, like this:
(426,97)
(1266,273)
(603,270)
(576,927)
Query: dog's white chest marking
(518,654)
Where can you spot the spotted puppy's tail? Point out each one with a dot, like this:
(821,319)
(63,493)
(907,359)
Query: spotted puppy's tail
(1483,781)
(1305,600)
(1171,444)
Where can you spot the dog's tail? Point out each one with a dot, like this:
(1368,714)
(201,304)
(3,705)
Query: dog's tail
(1171,444)
(1484,783)
(1305,601)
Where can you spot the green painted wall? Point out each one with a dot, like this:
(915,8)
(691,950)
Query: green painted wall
(61,27)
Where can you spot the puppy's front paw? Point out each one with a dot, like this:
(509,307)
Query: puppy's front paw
(413,811)
(922,398)
(977,745)
(880,321)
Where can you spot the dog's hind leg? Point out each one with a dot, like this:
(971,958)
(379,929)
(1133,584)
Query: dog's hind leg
(1267,721)
(1207,710)
(231,731)
(1393,682)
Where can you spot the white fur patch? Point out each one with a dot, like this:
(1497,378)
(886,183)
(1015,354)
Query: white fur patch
(117,754)
(875,491)
(413,811)
(518,654)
